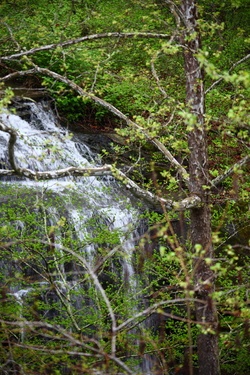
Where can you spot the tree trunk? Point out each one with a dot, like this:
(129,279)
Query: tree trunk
(207,343)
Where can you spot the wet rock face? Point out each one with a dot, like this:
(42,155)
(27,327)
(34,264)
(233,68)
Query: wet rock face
(21,106)
(96,142)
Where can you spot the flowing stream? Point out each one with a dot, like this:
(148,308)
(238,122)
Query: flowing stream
(95,215)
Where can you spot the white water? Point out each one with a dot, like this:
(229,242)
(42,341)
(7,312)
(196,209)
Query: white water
(43,145)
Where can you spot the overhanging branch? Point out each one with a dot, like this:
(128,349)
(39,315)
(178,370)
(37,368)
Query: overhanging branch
(110,107)
(86,38)
(149,197)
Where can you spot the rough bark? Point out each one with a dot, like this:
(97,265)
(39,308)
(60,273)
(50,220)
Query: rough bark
(207,344)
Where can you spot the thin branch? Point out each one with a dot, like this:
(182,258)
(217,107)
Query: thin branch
(84,39)
(65,335)
(156,77)
(232,67)
(110,107)
(11,35)
(57,351)
(101,290)
(156,308)
(107,169)
(177,13)
(230,170)
(69,337)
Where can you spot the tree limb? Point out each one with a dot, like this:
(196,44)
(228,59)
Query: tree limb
(11,144)
(110,107)
(216,181)
(84,39)
(154,200)
(232,67)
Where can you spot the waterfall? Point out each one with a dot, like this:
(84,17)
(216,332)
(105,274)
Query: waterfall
(92,216)
(44,145)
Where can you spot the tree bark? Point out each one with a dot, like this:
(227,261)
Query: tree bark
(207,343)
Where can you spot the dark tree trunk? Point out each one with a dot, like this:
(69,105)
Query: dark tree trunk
(207,344)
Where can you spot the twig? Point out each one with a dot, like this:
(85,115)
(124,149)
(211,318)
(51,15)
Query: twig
(232,67)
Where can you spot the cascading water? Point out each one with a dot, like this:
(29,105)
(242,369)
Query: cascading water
(89,215)
(42,145)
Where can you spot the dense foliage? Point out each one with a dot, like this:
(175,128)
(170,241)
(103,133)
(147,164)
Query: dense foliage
(145,79)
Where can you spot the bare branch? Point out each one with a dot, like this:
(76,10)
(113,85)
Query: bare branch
(11,144)
(42,349)
(59,173)
(154,200)
(84,39)
(232,67)
(230,171)
(110,107)
(156,77)
(107,169)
